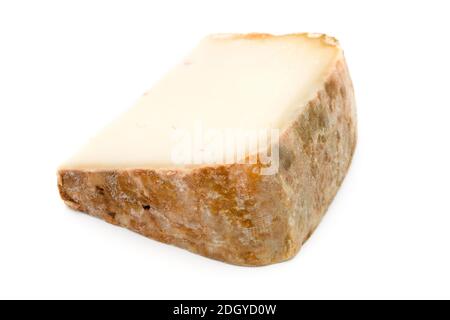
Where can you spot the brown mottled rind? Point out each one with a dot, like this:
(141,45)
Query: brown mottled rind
(231,212)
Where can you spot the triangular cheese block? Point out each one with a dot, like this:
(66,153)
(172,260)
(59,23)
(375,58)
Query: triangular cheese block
(235,154)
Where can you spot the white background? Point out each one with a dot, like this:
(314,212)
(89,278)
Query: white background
(68,67)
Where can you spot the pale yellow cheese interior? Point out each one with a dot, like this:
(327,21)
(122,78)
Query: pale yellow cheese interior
(228,81)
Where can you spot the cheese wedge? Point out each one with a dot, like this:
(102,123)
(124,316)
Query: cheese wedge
(235,154)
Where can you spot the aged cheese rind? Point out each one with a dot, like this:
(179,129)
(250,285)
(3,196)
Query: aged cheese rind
(230,212)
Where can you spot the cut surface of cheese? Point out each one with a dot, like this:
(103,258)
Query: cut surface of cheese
(295,88)
(227,82)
